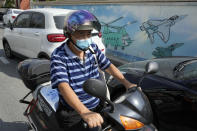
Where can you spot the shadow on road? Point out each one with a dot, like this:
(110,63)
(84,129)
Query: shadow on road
(13,126)
(9,69)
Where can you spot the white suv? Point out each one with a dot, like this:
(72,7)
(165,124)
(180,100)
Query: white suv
(35,33)
(10,15)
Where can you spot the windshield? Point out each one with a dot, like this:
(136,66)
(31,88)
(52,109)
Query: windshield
(168,67)
(187,70)
(59,21)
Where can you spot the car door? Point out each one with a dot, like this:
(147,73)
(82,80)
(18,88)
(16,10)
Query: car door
(188,74)
(173,104)
(33,35)
(20,24)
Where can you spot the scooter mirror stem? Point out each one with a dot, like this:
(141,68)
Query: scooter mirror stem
(140,81)
(150,68)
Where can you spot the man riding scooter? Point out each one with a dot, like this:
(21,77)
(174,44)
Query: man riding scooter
(73,63)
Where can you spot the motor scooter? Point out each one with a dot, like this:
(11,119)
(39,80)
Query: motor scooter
(130,111)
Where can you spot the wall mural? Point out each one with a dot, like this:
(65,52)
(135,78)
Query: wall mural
(139,32)
(116,36)
(160,27)
(166,51)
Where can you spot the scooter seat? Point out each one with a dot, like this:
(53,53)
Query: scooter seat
(51,96)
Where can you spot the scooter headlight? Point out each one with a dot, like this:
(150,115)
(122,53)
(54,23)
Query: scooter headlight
(130,124)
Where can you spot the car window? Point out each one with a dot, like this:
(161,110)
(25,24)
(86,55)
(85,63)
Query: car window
(17,12)
(9,12)
(188,72)
(37,21)
(22,21)
(59,21)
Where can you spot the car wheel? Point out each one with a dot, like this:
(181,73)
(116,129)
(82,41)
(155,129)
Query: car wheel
(7,50)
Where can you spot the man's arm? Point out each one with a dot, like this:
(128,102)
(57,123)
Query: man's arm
(118,75)
(93,119)
(105,64)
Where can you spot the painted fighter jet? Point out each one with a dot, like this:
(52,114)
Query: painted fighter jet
(160,27)
(166,51)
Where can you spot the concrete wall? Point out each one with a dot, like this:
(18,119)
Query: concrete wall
(134,31)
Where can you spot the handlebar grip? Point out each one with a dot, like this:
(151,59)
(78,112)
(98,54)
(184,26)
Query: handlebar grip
(85,125)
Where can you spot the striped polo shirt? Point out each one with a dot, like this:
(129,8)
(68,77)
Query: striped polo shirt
(67,67)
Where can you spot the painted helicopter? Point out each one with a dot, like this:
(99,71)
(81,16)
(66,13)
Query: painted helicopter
(166,51)
(116,36)
(160,27)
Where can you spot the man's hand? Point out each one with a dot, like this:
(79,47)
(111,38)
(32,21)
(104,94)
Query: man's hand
(130,85)
(93,119)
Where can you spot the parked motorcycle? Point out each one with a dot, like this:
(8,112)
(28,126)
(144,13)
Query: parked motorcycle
(129,111)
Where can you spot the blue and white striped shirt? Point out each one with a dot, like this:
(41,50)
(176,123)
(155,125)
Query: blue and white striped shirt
(67,67)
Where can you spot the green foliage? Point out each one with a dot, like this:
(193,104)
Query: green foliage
(9,4)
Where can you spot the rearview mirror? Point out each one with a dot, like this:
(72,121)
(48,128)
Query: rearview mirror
(95,88)
(151,67)
(98,89)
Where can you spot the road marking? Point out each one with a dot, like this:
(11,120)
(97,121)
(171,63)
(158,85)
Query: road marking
(4,60)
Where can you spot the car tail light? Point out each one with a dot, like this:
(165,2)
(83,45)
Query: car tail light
(56,37)
(100,34)
(13,17)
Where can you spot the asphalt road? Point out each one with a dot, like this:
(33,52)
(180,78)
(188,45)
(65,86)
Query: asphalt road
(12,90)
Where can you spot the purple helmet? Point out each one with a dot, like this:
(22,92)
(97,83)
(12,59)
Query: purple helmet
(80,20)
